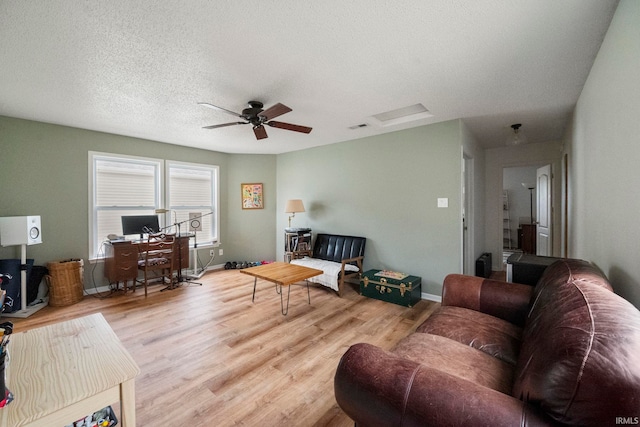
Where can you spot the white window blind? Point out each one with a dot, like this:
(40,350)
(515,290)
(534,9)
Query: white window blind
(120,186)
(126,185)
(192,189)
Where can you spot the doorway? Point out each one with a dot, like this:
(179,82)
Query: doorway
(526,196)
(467,215)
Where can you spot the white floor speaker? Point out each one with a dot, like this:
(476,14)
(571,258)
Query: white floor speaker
(20,230)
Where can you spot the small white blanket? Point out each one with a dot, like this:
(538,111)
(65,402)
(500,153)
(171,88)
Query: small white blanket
(331,270)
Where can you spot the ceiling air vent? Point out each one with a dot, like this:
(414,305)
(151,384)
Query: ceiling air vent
(361,125)
(402,115)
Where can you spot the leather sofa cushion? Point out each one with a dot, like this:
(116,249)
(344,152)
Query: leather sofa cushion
(377,388)
(581,347)
(489,334)
(457,359)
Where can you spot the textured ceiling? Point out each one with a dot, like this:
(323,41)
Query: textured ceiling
(138,68)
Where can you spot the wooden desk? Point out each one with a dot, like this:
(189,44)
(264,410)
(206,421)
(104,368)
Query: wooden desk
(121,259)
(282,274)
(66,371)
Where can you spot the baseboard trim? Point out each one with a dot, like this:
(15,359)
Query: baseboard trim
(431,297)
(187,273)
(99,290)
(206,270)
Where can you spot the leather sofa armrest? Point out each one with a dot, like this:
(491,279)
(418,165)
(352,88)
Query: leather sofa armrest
(508,301)
(377,388)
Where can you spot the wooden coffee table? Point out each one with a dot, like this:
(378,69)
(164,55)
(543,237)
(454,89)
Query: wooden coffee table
(282,274)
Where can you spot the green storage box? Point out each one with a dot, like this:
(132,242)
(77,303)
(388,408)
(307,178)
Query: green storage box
(382,285)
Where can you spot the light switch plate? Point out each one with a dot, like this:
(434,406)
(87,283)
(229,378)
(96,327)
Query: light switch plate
(443,202)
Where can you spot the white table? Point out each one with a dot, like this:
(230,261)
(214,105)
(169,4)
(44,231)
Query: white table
(66,371)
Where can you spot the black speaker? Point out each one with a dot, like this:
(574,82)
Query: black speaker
(10,269)
(483,265)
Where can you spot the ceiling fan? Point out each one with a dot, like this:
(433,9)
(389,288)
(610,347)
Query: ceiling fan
(257,117)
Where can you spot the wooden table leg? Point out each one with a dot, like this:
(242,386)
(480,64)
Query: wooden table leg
(255,280)
(128,403)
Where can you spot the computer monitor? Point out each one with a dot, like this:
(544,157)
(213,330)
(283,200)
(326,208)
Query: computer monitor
(140,224)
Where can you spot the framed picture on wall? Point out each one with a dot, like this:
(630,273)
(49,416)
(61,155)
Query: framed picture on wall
(252,196)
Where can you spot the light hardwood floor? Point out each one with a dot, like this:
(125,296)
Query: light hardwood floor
(211,357)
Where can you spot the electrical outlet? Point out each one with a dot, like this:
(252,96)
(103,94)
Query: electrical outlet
(211,252)
(220,252)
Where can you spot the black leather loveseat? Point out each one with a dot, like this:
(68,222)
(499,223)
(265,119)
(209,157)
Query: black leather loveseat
(340,257)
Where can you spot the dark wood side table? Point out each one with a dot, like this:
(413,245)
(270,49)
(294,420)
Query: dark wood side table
(528,238)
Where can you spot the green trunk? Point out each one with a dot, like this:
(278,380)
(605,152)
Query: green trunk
(405,291)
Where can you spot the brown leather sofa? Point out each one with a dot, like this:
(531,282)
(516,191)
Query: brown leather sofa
(565,352)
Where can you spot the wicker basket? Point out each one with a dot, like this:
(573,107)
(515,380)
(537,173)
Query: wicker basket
(65,281)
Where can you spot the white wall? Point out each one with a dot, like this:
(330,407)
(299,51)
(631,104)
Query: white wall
(604,158)
(496,159)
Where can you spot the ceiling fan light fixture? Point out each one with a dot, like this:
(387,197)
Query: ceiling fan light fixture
(517,137)
(257,117)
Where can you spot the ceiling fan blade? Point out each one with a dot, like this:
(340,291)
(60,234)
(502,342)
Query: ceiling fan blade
(215,107)
(260,131)
(289,126)
(274,111)
(224,125)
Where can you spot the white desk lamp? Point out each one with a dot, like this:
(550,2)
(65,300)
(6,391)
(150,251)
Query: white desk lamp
(293,206)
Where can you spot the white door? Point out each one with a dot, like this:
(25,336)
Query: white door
(467,211)
(544,211)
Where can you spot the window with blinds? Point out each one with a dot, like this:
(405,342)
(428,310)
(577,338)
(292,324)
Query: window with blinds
(125,185)
(191,196)
(121,186)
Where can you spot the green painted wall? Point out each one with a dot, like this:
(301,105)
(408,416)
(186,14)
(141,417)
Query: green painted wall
(384,188)
(603,153)
(44,171)
(254,236)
